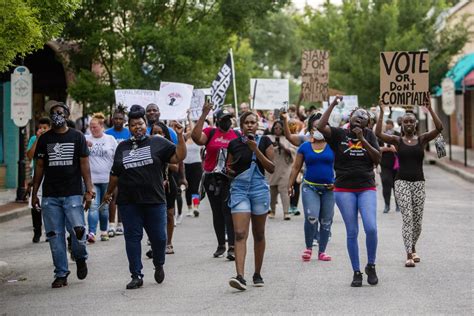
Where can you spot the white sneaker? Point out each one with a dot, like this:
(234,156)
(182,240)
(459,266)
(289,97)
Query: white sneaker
(119,230)
(179,219)
(190,213)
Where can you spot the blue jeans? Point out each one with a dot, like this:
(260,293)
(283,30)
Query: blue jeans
(94,214)
(318,205)
(152,217)
(365,202)
(250,192)
(60,213)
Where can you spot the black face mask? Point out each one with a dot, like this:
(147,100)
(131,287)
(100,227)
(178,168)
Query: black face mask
(225,124)
(57,120)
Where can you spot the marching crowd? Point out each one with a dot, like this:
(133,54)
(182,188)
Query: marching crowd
(131,177)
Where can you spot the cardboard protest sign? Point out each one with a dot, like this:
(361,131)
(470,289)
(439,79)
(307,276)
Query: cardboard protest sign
(270,93)
(404,78)
(315,75)
(342,110)
(129,97)
(197,102)
(174,100)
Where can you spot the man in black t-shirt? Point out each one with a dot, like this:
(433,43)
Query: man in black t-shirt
(62,159)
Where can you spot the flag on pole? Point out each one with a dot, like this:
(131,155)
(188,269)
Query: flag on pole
(221,83)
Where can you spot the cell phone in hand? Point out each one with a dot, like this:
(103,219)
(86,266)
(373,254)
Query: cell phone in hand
(208,98)
(102,206)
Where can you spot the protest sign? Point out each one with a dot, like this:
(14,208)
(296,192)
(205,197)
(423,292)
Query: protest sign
(270,93)
(315,75)
(222,83)
(197,102)
(129,97)
(174,100)
(404,78)
(342,110)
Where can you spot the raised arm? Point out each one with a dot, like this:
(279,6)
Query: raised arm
(180,152)
(429,136)
(389,139)
(292,138)
(295,169)
(374,153)
(187,135)
(197,135)
(323,125)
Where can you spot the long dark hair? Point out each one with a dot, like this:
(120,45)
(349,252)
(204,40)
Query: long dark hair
(312,118)
(164,128)
(273,127)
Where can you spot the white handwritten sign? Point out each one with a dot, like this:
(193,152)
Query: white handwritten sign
(174,100)
(270,93)
(342,110)
(197,102)
(129,97)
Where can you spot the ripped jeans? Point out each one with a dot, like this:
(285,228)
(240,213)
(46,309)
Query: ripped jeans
(59,213)
(318,205)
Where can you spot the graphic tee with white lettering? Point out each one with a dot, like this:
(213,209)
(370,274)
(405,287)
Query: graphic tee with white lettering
(101,157)
(139,169)
(61,154)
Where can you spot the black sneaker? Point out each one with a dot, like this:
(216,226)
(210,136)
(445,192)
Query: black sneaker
(372,278)
(135,283)
(238,283)
(36,235)
(219,252)
(357,279)
(296,213)
(196,213)
(257,280)
(81,269)
(231,254)
(386,209)
(149,254)
(59,282)
(159,274)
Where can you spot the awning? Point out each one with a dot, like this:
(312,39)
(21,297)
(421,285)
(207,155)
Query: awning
(463,68)
(469,79)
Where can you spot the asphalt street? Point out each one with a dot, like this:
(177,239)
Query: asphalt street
(196,283)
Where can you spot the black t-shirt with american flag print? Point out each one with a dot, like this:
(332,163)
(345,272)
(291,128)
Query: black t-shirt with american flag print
(140,170)
(62,169)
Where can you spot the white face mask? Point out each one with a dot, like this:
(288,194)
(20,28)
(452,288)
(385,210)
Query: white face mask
(317,135)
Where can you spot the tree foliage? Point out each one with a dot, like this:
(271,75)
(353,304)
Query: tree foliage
(358,30)
(140,43)
(26,25)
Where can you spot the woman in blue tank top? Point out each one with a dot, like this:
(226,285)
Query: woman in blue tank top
(317,194)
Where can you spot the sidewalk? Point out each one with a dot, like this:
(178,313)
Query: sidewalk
(9,209)
(454,166)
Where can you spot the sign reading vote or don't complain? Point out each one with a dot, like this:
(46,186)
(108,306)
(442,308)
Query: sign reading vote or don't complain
(21,96)
(404,78)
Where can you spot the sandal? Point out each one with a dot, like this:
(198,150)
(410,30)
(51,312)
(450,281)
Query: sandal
(324,257)
(169,250)
(307,253)
(410,263)
(415,257)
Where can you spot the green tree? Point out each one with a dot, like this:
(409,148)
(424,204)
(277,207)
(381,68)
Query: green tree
(26,25)
(140,43)
(358,30)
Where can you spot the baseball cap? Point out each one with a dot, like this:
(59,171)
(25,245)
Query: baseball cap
(221,113)
(52,103)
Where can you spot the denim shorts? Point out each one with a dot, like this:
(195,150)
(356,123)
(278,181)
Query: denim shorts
(256,203)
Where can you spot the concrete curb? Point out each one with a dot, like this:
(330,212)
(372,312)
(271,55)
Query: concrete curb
(451,169)
(13,214)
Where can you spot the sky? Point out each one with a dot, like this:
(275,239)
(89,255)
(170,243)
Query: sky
(314,3)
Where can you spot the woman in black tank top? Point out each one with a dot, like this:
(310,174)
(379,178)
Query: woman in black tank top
(410,181)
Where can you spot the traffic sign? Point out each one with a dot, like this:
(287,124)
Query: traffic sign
(21,96)
(448,98)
